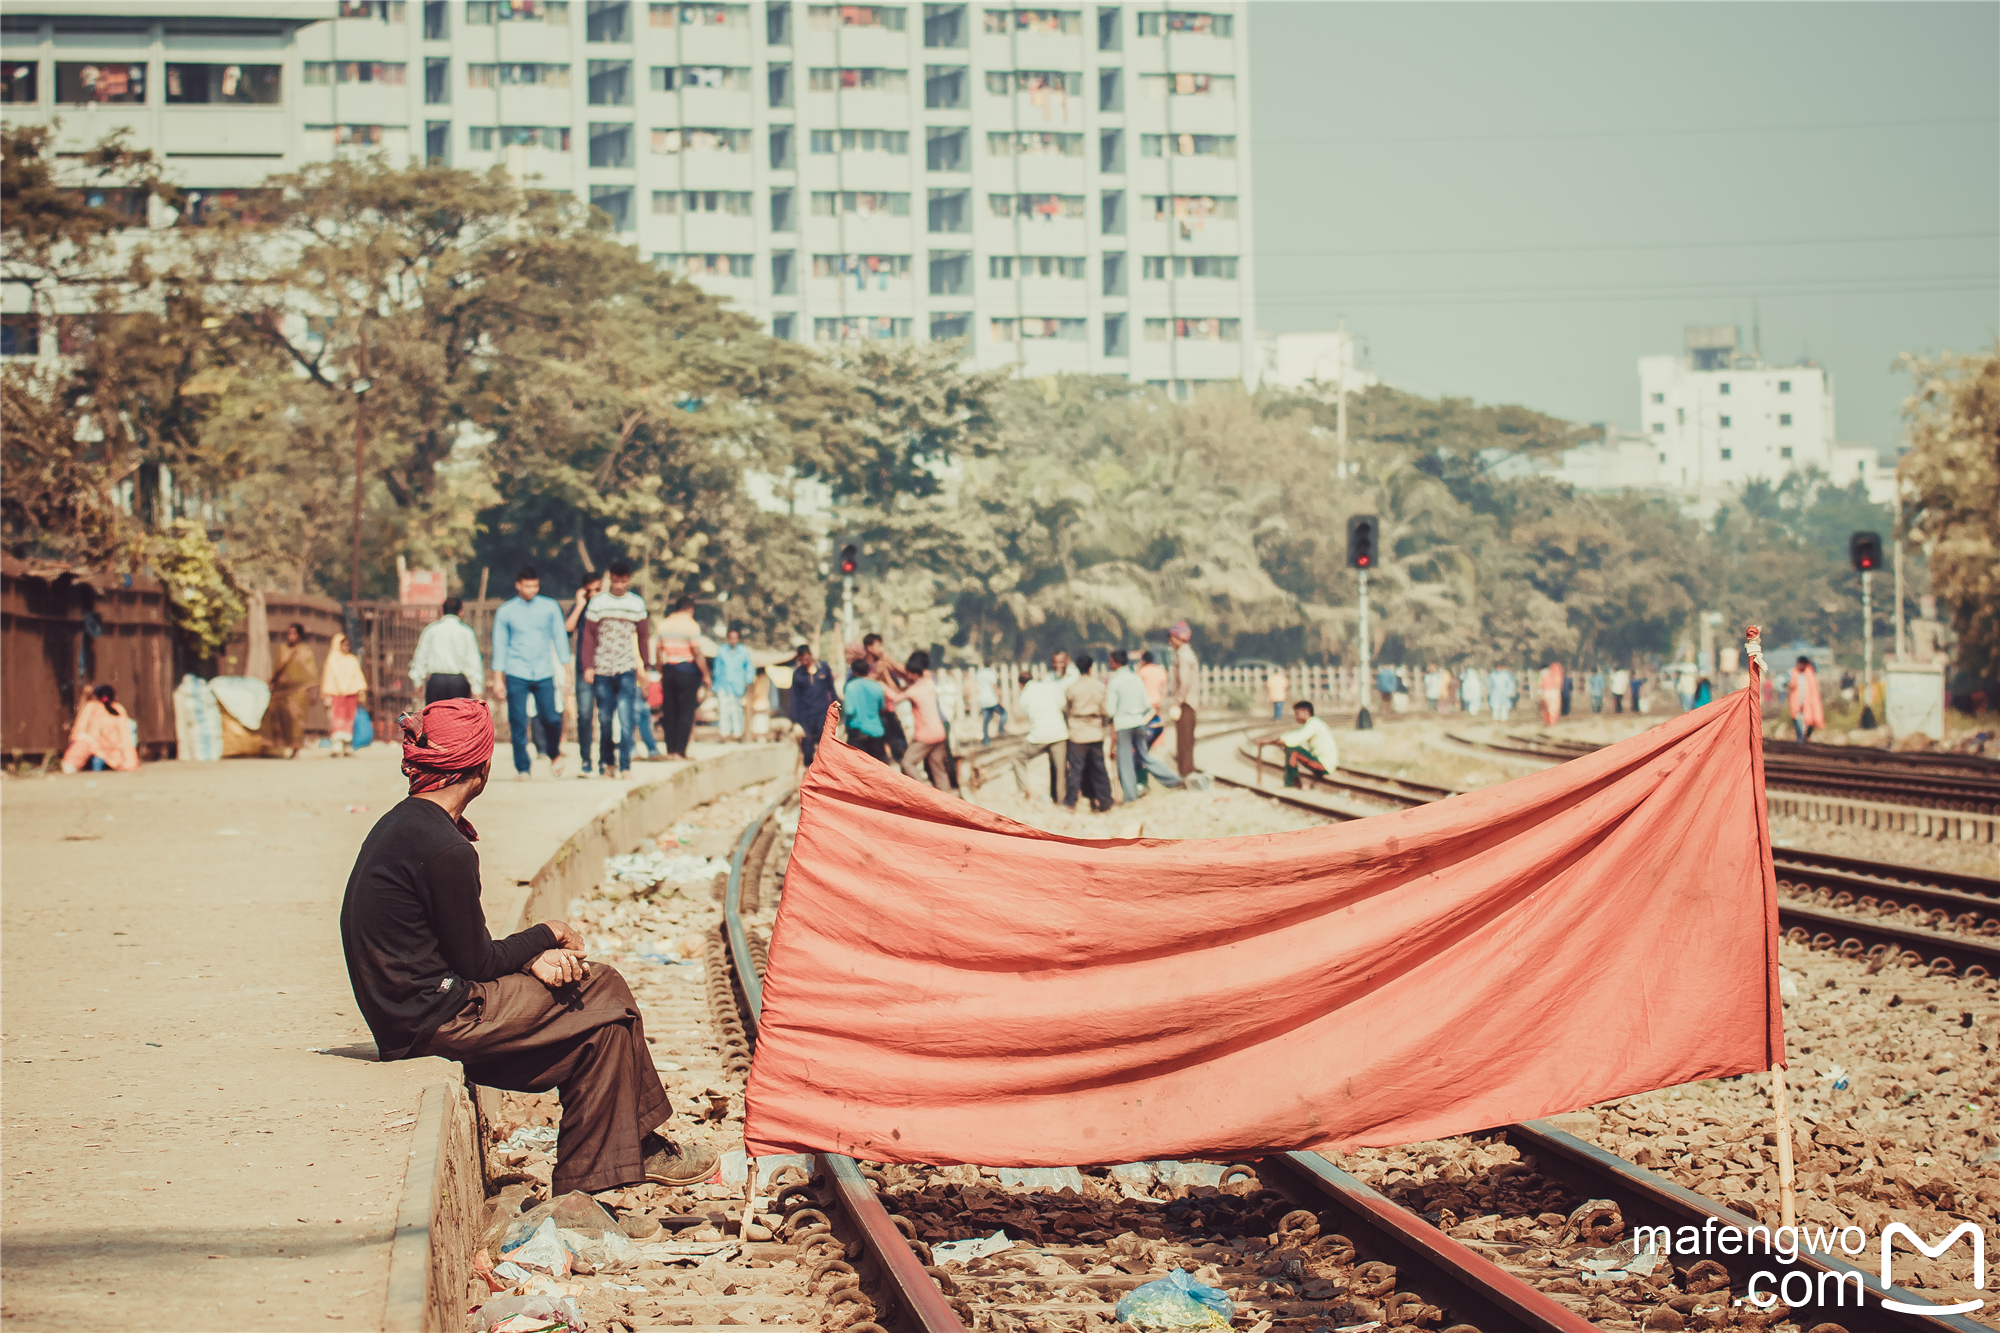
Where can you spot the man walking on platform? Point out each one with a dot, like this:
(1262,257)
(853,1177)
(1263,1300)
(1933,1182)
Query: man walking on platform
(446,663)
(683,673)
(1183,695)
(586,701)
(1125,699)
(813,692)
(733,672)
(612,653)
(526,1013)
(1048,733)
(1083,708)
(1276,689)
(528,642)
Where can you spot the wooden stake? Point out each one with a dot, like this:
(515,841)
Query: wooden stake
(749,1197)
(1781,1098)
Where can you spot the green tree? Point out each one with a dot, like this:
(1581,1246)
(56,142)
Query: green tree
(1952,484)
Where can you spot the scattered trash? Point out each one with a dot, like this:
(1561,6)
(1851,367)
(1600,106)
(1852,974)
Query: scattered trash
(574,1211)
(1135,1178)
(1618,1262)
(660,954)
(528,1314)
(965,1251)
(357,809)
(513,1272)
(532,1137)
(1176,1301)
(1041,1177)
(687,1251)
(1837,1076)
(643,872)
(541,1248)
(609,1250)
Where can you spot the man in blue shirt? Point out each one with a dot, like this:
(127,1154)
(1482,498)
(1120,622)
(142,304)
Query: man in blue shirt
(861,709)
(528,640)
(732,672)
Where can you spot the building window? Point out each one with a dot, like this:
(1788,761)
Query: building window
(784,212)
(711,16)
(1035,266)
(705,266)
(950,211)
(1659,428)
(1193,212)
(1723,388)
(866,270)
(944,26)
(1053,22)
(1724,423)
(1110,28)
(1784,418)
(779,85)
(784,273)
(437,24)
(1036,207)
(852,328)
(944,87)
(1784,386)
(1663,458)
(437,143)
(700,141)
(894,142)
(1036,329)
(1187,145)
(1680,416)
(944,148)
(611,145)
(355,136)
(616,201)
(1212,25)
(781,141)
(1114,336)
(1033,143)
(950,324)
(861,203)
(1188,85)
(1659,398)
(1785,452)
(1111,151)
(1728,454)
(207,208)
(382,11)
(778,24)
(20,334)
(610,83)
(487,12)
(437,81)
(859,79)
(1194,330)
(1156,268)
(730,203)
(1111,220)
(21,84)
(782,326)
(549,138)
(1111,90)
(826,18)
(951,273)
(315,73)
(1041,85)
(81,84)
(530,75)
(607,21)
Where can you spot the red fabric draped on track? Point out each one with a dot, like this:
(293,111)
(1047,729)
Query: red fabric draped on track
(947,985)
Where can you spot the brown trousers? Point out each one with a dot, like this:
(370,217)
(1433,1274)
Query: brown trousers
(588,1042)
(1184,740)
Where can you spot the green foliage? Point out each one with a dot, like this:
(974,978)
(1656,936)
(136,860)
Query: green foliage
(1952,476)
(204,599)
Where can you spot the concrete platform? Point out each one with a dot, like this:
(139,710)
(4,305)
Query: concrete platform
(195,1133)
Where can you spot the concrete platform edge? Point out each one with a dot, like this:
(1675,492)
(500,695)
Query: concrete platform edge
(442,1189)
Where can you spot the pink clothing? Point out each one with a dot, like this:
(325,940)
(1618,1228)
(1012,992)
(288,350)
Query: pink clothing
(340,712)
(923,697)
(1154,677)
(105,733)
(1807,706)
(1552,694)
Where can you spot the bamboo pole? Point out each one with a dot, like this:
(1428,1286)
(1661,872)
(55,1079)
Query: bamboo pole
(1781,1099)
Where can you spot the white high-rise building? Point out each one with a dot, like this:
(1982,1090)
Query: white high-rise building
(1066,188)
(1718,416)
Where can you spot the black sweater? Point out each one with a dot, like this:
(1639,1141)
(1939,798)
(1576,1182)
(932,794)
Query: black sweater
(413,930)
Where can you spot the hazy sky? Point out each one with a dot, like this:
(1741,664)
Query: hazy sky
(1515,201)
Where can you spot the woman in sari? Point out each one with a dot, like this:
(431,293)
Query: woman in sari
(1808,709)
(343,686)
(1552,693)
(102,736)
(292,682)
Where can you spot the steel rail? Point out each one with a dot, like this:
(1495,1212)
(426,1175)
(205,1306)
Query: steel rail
(1468,1286)
(1948,909)
(1646,1199)
(1888,874)
(1858,937)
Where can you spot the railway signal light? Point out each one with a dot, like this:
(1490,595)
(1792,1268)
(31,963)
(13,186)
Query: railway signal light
(1865,550)
(850,558)
(1361,530)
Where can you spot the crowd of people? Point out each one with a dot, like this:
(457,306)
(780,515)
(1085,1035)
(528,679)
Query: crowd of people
(1497,691)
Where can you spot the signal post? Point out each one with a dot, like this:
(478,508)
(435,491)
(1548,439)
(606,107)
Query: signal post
(1361,530)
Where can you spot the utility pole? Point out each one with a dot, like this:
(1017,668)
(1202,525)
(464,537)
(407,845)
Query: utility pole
(1362,721)
(848,557)
(1340,429)
(1896,535)
(360,458)
(1864,550)
(1361,534)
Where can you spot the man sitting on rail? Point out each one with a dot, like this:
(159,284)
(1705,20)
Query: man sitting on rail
(1310,749)
(525,1013)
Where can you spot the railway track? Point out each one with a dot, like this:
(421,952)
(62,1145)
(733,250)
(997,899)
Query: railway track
(1971,785)
(1885,913)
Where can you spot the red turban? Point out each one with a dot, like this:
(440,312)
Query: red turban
(445,741)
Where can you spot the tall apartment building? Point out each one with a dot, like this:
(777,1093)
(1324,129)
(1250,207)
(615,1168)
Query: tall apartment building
(1066,188)
(1718,416)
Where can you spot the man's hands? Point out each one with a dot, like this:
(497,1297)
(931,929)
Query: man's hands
(589,677)
(558,967)
(566,936)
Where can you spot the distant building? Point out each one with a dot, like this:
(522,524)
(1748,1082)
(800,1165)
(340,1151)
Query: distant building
(1294,360)
(1718,416)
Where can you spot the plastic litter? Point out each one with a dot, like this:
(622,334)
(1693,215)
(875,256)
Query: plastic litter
(528,1314)
(965,1251)
(542,1248)
(1617,1262)
(532,1137)
(642,872)
(687,1251)
(512,1272)
(574,1211)
(611,1250)
(242,697)
(1176,1301)
(1041,1177)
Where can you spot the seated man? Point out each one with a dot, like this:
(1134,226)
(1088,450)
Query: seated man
(1310,749)
(525,1013)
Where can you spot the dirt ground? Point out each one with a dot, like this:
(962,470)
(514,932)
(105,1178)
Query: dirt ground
(175,995)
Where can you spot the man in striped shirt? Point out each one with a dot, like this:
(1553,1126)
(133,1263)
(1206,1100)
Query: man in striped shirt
(612,652)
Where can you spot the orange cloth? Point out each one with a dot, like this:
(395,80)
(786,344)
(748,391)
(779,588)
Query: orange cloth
(947,985)
(1807,706)
(102,732)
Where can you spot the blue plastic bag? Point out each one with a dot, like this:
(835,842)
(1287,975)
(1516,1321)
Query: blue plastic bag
(364,729)
(1176,1301)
